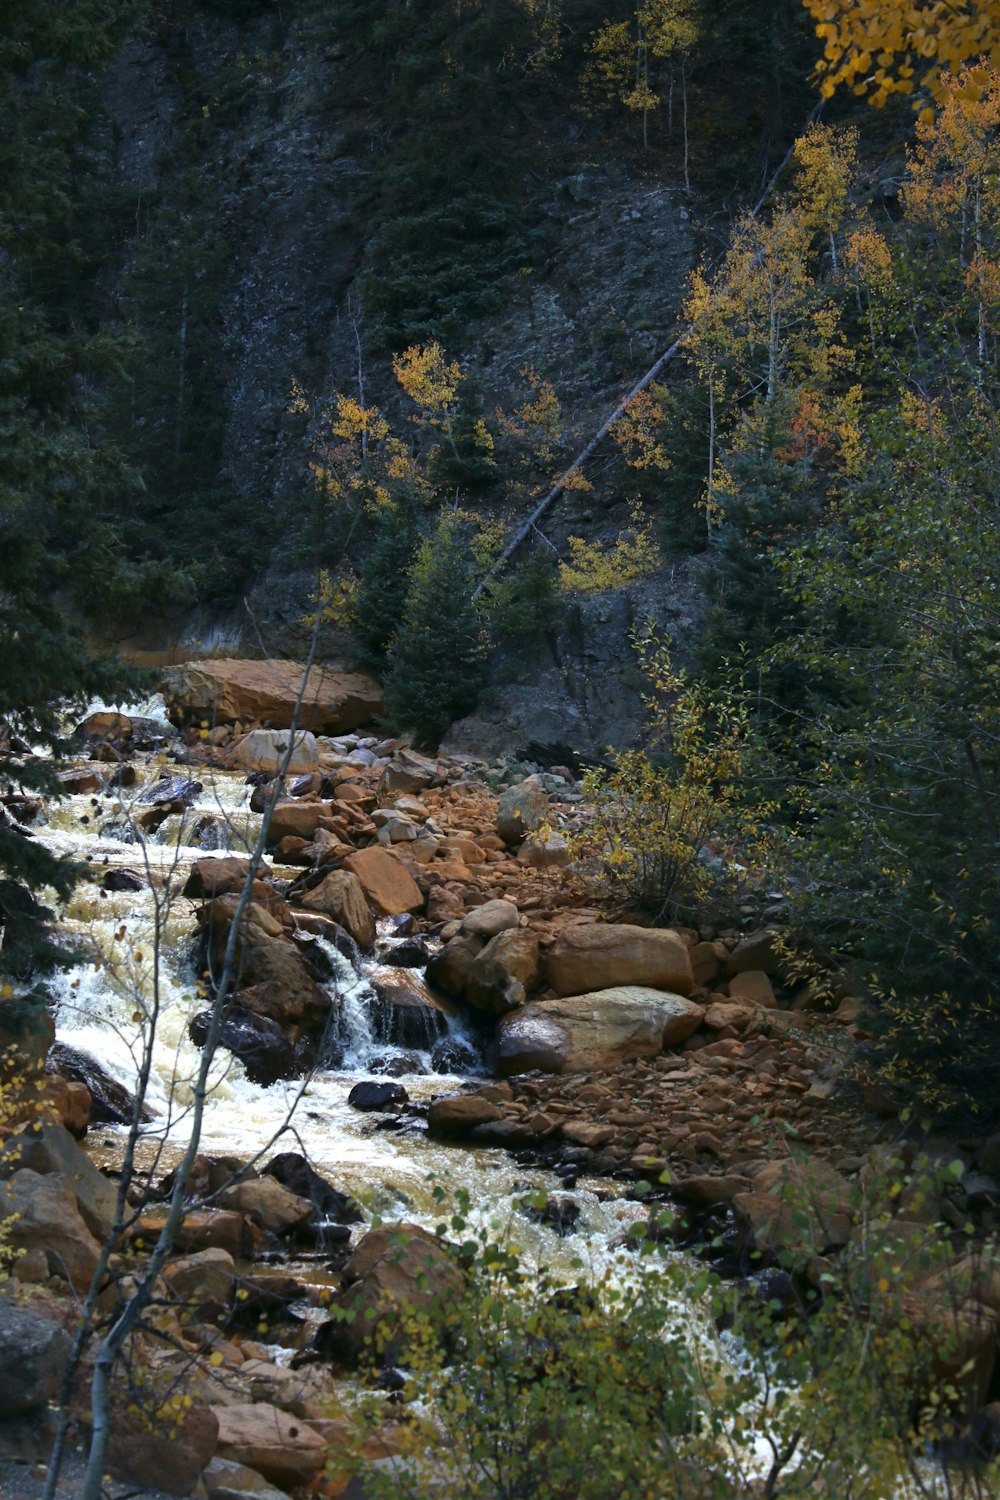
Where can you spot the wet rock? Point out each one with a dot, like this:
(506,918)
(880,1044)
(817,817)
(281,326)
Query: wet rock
(283,1448)
(371,1096)
(111,1102)
(33,1353)
(170,789)
(226,691)
(455,1054)
(501,975)
(602,955)
(219,877)
(340,895)
(76,780)
(459,1114)
(409,954)
(122,880)
(555,1211)
(407,1013)
(274,1207)
(591,1032)
(295,1173)
(390,888)
(258,1042)
(521,810)
(104,724)
(273,750)
(449,969)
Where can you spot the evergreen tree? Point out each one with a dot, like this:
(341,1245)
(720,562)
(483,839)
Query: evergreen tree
(435,657)
(59,477)
(384,579)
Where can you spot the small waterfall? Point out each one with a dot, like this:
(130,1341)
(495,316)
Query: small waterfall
(353,1041)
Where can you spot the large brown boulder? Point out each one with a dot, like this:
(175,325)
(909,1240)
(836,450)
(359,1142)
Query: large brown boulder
(44,1215)
(146,1452)
(49,1148)
(224,690)
(450,968)
(601,955)
(268,750)
(296,817)
(282,1448)
(390,889)
(340,895)
(587,1033)
(409,1014)
(521,810)
(500,976)
(273,977)
(396,1271)
(796,1205)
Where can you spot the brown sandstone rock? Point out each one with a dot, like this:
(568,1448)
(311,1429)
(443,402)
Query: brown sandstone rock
(797,1205)
(281,1447)
(268,750)
(458,1114)
(594,1031)
(500,976)
(144,1454)
(388,886)
(601,955)
(340,895)
(394,1271)
(754,987)
(226,690)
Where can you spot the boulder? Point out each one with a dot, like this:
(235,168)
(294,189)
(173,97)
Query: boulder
(258,1042)
(755,951)
(490,919)
(104,724)
(407,771)
(796,1204)
(268,964)
(45,1215)
(395,1271)
(295,817)
(145,1454)
(274,1207)
(601,955)
(390,889)
(521,810)
(223,690)
(110,1101)
(33,1352)
(220,877)
(281,1447)
(585,1033)
(49,1149)
(205,1281)
(267,750)
(370,1096)
(449,969)
(458,1114)
(546,854)
(408,1014)
(295,1173)
(500,976)
(340,895)
(752,987)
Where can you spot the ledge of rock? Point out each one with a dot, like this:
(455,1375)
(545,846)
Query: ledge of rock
(225,690)
(584,1033)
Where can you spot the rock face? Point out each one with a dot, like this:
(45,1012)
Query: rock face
(601,955)
(33,1351)
(225,690)
(585,1033)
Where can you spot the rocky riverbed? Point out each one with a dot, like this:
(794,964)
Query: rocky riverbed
(430,991)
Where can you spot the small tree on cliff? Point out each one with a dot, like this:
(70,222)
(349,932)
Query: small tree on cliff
(436,654)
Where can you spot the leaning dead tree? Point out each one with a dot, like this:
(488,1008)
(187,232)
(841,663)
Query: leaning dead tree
(609,423)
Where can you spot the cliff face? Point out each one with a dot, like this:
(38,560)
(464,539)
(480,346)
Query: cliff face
(244,165)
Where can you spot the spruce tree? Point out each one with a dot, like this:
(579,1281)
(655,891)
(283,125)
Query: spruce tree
(435,657)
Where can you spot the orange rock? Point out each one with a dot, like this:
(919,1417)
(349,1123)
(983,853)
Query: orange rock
(389,887)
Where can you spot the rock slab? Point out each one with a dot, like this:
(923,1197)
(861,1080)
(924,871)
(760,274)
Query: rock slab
(225,690)
(590,1032)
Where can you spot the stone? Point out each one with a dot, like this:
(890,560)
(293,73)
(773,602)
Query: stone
(294,1172)
(77,780)
(490,919)
(268,750)
(104,724)
(458,1114)
(370,1096)
(52,1149)
(521,810)
(202,1229)
(755,951)
(408,1014)
(723,1015)
(389,887)
(33,1353)
(795,1205)
(225,690)
(45,1215)
(754,987)
(274,1207)
(340,895)
(707,1191)
(500,976)
(259,1043)
(145,1455)
(395,1271)
(449,969)
(205,1281)
(110,1101)
(283,1448)
(295,817)
(546,854)
(601,955)
(407,771)
(225,876)
(704,962)
(595,1031)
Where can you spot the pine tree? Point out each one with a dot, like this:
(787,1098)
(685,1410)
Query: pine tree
(435,658)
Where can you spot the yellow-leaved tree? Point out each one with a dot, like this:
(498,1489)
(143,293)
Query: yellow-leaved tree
(884,47)
(624,58)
